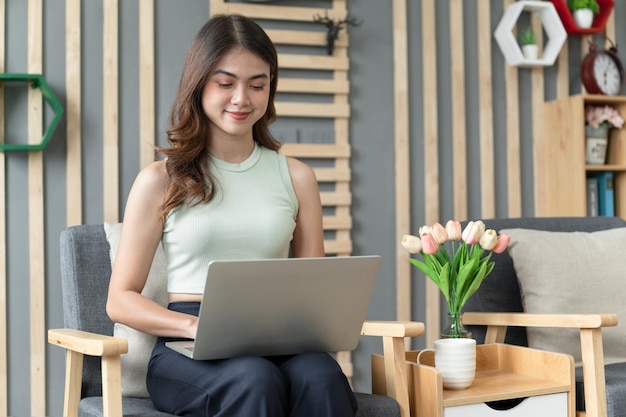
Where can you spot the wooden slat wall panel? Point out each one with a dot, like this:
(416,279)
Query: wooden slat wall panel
(147,130)
(459,125)
(401,158)
(312,110)
(298,14)
(110,107)
(431,153)
(292,37)
(314,62)
(36,217)
(73,112)
(485,98)
(3,235)
(514,183)
(299,85)
(537,99)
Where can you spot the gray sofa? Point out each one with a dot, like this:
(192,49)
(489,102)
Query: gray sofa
(86,267)
(500,292)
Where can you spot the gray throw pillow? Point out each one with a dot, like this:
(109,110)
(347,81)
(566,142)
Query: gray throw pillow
(572,272)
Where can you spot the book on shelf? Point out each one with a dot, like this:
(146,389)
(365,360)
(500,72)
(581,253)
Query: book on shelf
(592,197)
(606,196)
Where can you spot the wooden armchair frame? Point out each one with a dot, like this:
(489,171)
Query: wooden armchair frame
(79,343)
(590,326)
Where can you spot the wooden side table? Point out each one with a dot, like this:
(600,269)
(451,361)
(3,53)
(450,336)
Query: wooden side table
(544,380)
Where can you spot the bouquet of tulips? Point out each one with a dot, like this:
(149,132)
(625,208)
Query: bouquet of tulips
(457,262)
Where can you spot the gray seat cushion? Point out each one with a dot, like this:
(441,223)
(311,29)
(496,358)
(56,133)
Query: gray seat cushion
(370,405)
(615,376)
(131,407)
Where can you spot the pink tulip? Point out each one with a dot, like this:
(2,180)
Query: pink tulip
(412,243)
(454,230)
(502,243)
(473,231)
(429,244)
(439,233)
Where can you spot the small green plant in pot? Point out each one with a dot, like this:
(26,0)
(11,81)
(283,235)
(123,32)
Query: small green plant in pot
(528,39)
(584,11)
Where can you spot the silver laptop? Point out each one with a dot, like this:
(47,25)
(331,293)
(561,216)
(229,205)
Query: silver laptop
(282,306)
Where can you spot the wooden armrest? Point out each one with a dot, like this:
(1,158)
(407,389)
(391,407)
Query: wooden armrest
(394,334)
(579,321)
(87,343)
(79,343)
(392,328)
(590,326)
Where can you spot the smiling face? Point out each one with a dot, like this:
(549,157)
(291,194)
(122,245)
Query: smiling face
(236,95)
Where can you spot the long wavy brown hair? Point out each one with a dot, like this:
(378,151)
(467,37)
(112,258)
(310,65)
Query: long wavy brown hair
(189,176)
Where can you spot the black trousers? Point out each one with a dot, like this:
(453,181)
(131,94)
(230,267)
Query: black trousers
(304,385)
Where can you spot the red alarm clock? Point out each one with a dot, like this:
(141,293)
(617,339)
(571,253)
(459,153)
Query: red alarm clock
(602,71)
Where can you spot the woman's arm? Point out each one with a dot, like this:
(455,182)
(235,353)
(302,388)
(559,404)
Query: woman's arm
(141,233)
(308,237)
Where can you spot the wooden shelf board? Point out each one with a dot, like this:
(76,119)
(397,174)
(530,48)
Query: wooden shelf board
(489,386)
(605,167)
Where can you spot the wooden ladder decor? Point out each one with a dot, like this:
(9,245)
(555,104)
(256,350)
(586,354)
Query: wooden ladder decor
(313,87)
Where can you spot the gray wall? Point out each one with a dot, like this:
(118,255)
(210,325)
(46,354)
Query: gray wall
(372,140)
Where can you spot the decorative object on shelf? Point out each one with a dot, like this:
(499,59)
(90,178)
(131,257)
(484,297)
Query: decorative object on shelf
(555,33)
(528,39)
(456,360)
(583,12)
(333,27)
(602,71)
(599,19)
(36,81)
(458,273)
(599,119)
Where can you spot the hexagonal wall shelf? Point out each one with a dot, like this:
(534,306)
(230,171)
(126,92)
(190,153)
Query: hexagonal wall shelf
(551,23)
(36,81)
(599,20)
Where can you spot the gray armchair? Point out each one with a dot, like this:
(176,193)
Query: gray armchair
(600,388)
(93,370)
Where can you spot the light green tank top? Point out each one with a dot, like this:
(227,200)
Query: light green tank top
(252,216)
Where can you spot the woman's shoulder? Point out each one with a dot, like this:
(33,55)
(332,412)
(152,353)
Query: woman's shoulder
(153,176)
(302,175)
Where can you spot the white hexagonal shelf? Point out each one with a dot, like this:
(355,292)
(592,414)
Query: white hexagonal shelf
(551,23)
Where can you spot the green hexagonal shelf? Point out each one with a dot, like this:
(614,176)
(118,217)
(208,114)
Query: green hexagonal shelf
(37,81)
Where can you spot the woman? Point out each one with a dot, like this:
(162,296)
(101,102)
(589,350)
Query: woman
(223,192)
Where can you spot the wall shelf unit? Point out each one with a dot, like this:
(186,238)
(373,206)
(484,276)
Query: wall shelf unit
(599,20)
(550,22)
(563,157)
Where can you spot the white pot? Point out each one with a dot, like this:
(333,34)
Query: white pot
(456,360)
(530,51)
(583,18)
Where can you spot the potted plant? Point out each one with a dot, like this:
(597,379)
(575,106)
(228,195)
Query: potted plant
(598,120)
(583,12)
(528,39)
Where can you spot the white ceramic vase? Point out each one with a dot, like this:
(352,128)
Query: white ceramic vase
(530,52)
(455,359)
(583,18)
